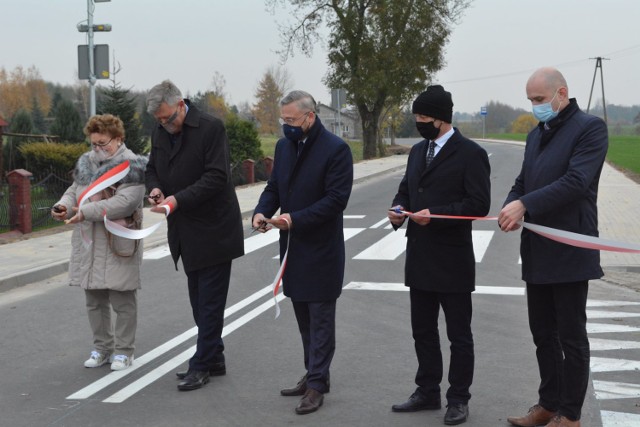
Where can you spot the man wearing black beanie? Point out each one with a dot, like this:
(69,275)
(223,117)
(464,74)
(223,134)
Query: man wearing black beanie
(447,174)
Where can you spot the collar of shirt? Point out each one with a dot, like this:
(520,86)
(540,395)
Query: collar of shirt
(442,140)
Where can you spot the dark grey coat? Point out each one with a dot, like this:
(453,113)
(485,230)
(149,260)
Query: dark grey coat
(558,184)
(206,229)
(440,255)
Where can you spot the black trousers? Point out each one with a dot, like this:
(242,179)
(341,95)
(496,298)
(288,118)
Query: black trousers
(208,289)
(558,322)
(317,325)
(457,308)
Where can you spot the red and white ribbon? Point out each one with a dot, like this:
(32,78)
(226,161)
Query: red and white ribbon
(277,281)
(122,231)
(108,179)
(561,236)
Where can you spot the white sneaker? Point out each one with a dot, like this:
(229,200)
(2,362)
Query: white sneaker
(97,359)
(121,362)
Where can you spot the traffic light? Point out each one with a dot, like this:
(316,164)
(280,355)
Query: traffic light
(83,28)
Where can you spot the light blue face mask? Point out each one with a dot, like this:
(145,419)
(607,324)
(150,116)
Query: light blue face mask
(544,112)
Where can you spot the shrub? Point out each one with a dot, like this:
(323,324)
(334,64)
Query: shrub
(244,141)
(45,156)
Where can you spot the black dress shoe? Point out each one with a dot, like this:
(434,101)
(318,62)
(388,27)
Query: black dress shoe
(217,370)
(194,380)
(299,389)
(417,402)
(310,402)
(457,413)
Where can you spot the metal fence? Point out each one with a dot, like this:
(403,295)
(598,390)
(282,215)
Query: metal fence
(43,195)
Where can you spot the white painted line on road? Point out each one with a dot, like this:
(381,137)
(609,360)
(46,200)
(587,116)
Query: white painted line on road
(608,364)
(602,314)
(172,364)
(619,419)
(157,253)
(388,248)
(139,362)
(347,232)
(400,287)
(481,240)
(353,216)
(606,303)
(380,223)
(599,328)
(260,240)
(615,390)
(600,344)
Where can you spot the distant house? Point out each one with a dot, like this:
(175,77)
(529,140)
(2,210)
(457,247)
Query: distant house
(343,123)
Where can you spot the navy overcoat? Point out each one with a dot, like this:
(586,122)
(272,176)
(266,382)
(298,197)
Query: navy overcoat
(314,189)
(558,184)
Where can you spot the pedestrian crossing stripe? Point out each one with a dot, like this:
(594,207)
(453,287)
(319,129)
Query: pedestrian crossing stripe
(603,314)
(599,328)
(606,390)
(619,419)
(608,364)
(600,344)
(400,287)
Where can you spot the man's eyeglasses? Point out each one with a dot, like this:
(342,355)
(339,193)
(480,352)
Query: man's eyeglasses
(170,119)
(99,144)
(291,121)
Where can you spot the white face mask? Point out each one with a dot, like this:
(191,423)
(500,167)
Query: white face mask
(99,155)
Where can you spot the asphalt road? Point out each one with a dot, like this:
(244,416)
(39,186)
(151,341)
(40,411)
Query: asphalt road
(45,339)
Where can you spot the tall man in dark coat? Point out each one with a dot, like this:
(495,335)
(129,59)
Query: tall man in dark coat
(558,187)
(310,183)
(189,170)
(447,174)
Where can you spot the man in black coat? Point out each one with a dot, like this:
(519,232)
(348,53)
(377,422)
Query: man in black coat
(558,187)
(310,184)
(447,174)
(189,171)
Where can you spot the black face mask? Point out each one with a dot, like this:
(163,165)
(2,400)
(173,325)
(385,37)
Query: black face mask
(427,130)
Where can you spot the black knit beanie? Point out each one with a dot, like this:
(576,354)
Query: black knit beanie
(434,102)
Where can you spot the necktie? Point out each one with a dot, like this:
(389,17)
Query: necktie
(300,147)
(431,152)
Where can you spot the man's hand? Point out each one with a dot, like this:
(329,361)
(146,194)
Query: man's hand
(419,219)
(281,222)
(395,216)
(171,201)
(260,224)
(510,215)
(155,197)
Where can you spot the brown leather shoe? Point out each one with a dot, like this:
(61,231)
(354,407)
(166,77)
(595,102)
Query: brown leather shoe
(537,416)
(298,390)
(310,402)
(562,421)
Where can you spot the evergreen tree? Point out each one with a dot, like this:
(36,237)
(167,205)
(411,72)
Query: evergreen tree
(20,123)
(37,117)
(267,109)
(66,123)
(121,103)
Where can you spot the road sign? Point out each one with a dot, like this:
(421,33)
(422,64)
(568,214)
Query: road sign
(483,111)
(100,61)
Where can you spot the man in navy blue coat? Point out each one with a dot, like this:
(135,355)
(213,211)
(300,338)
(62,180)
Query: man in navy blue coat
(310,184)
(447,174)
(558,187)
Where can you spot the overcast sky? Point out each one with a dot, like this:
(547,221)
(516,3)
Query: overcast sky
(492,51)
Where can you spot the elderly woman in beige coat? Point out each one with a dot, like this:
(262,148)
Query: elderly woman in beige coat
(107,267)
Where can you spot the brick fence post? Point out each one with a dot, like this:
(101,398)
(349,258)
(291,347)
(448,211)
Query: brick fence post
(268,166)
(248,169)
(20,200)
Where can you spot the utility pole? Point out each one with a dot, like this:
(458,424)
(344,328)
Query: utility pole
(90,28)
(604,103)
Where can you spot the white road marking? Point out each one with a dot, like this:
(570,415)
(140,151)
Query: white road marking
(481,240)
(615,390)
(600,344)
(607,303)
(172,364)
(619,419)
(347,232)
(157,253)
(400,287)
(353,216)
(388,248)
(602,314)
(380,223)
(599,328)
(139,362)
(608,364)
